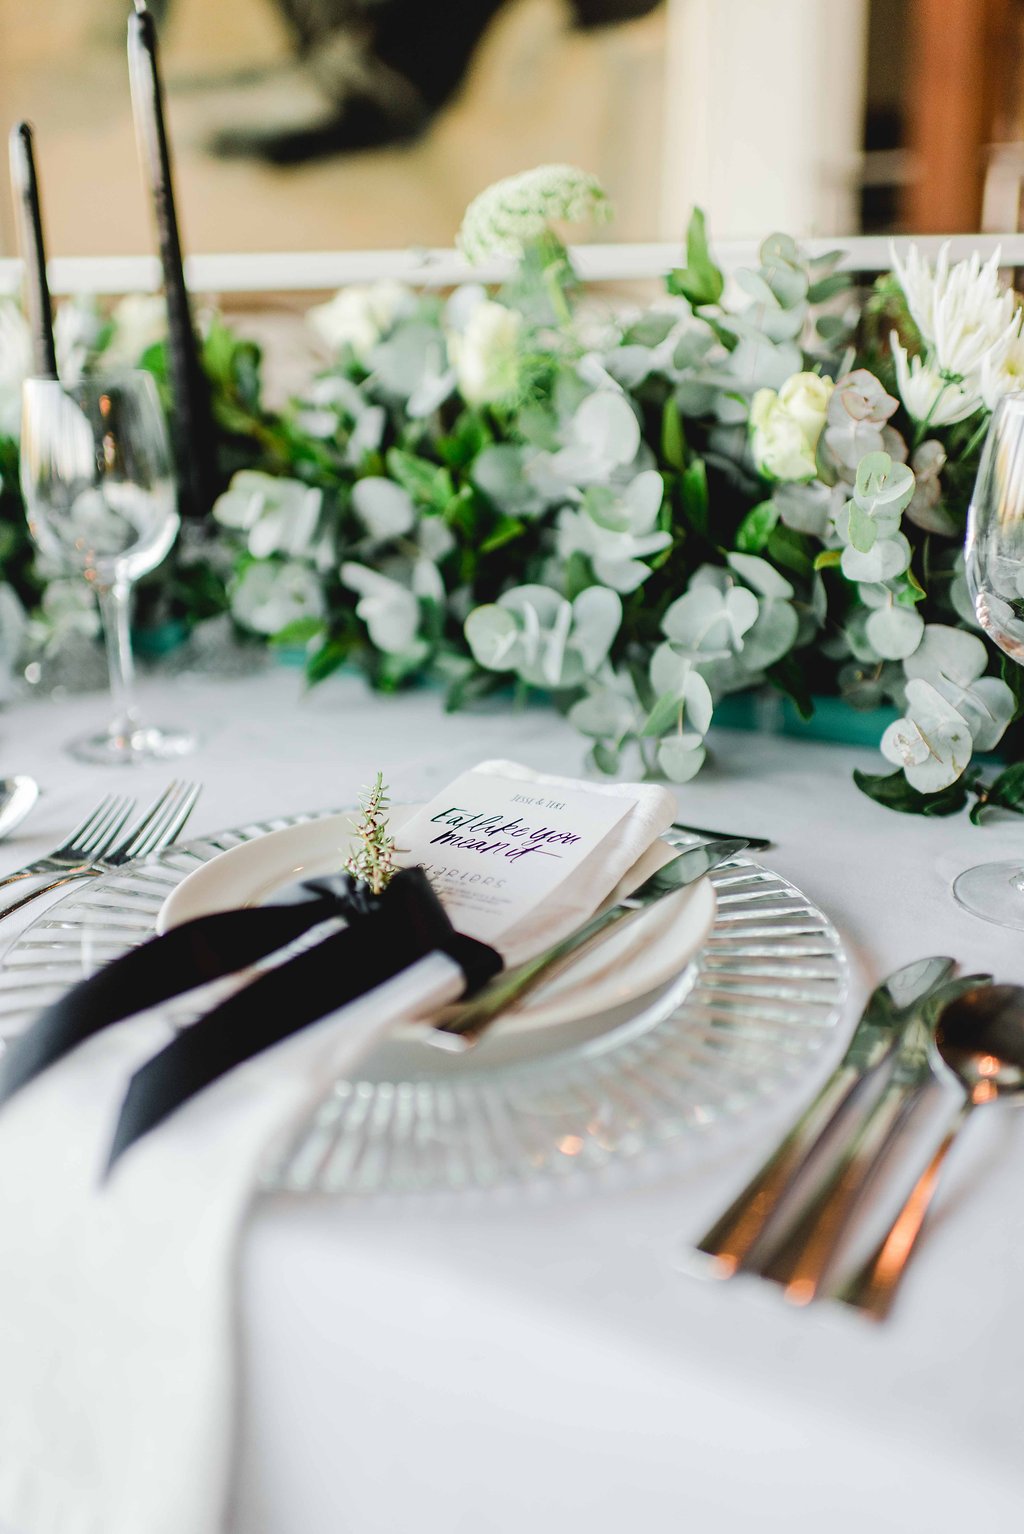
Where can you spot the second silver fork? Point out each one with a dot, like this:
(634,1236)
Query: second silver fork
(102,849)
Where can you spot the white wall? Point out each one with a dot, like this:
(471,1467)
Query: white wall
(764,109)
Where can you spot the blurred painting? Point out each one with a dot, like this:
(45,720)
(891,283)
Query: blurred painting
(334,124)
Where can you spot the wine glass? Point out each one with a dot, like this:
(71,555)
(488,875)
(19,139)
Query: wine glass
(98,486)
(994,555)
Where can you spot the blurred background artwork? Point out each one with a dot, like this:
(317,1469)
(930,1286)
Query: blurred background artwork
(363,124)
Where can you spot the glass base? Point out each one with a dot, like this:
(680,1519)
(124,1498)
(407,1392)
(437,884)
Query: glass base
(143,743)
(993,891)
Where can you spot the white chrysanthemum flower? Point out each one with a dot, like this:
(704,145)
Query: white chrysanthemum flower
(1002,371)
(486,354)
(15,365)
(360,316)
(928,395)
(505,217)
(962,311)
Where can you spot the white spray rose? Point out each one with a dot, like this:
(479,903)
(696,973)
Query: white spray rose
(360,316)
(486,354)
(806,397)
(785,426)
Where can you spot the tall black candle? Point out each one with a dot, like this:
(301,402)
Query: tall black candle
(192,428)
(33,249)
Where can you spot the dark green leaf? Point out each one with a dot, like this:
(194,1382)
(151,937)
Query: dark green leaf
(298,633)
(788,676)
(328,658)
(693,489)
(893,790)
(754,531)
(828,287)
(700,280)
(673,437)
(506,530)
(791,550)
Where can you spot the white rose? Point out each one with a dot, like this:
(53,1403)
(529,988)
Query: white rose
(360,316)
(806,397)
(486,354)
(777,441)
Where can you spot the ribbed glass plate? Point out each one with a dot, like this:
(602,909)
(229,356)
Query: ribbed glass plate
(742,1025)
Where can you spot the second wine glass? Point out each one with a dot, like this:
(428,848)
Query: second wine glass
(994,557)
(98,486)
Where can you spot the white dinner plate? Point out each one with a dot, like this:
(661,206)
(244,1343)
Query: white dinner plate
(645,954)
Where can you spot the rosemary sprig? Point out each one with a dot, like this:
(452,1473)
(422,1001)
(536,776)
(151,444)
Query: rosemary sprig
(373,861)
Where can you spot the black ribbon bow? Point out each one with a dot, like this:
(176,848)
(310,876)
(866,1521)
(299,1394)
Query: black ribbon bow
(384,937)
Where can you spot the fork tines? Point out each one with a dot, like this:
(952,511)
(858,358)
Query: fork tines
(160,825)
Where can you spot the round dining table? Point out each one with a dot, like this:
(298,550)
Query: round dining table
(543,1355)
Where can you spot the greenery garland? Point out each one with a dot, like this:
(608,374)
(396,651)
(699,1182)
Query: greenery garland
(755,482)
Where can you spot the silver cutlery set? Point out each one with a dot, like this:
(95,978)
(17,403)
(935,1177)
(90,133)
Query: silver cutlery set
(792,1222)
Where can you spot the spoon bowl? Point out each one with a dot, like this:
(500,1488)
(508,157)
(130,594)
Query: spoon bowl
(17,798)
(980,1038)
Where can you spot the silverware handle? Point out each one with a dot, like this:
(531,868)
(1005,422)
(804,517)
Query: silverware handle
(754,843)
(17,876)
(732,1238)
(873,1287)
(41,889)
(472,1018)
(800,1260)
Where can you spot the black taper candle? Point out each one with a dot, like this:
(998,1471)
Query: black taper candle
(192,429)
(33,249)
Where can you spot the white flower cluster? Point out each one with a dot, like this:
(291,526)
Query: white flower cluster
(971,327)
(506,217)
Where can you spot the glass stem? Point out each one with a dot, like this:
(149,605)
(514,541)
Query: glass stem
(115,610)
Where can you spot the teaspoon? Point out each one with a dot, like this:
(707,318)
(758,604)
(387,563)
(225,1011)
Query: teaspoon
(17,797)
(980,1039)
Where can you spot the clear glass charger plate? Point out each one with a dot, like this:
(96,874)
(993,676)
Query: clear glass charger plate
(741,1027)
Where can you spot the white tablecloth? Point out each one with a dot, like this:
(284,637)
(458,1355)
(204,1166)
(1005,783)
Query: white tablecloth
(539,1359)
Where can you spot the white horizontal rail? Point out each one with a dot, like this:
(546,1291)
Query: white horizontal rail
(320,271)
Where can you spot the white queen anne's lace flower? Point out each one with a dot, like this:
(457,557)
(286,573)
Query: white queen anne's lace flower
(511,213)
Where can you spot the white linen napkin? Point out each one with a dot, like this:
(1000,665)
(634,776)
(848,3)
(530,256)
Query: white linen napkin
(117,1301)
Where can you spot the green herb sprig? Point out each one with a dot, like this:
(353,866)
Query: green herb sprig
(373,861)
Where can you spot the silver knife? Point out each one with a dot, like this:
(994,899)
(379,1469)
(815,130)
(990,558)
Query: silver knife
(465,1026)
(892,1006)
(801,1260)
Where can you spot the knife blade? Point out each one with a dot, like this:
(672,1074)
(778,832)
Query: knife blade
(890,1009)
(463,1028)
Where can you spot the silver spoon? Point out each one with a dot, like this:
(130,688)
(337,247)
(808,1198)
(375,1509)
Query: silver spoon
(980,1039)
(17,797)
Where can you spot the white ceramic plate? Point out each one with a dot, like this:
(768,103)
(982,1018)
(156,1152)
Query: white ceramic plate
(643,955)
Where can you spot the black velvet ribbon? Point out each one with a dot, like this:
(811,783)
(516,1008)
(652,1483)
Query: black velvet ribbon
(384,937)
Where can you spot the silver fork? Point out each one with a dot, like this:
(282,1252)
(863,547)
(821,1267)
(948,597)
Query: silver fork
(95,836)
(157,828)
